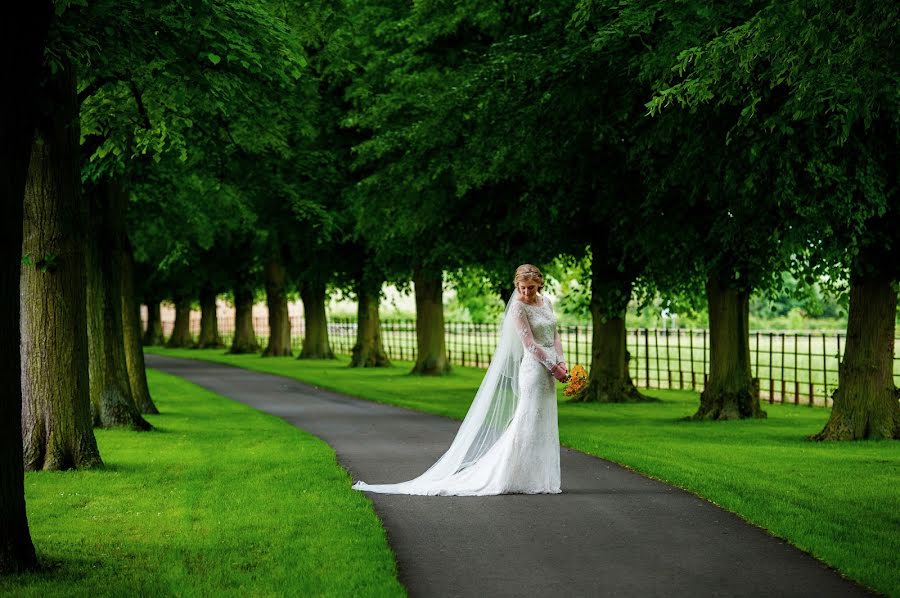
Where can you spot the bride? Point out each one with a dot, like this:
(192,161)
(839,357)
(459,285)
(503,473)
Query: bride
(509,440)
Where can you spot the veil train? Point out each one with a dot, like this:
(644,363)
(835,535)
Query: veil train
(487,419)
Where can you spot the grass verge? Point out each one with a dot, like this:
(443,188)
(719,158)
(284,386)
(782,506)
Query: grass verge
(837,501)
(218,500)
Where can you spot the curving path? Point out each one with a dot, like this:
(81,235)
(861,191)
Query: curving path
(611,532)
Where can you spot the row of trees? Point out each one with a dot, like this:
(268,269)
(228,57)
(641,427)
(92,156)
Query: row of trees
(693,153)
(180,151)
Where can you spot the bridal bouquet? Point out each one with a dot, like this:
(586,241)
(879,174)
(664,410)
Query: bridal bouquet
(578,382)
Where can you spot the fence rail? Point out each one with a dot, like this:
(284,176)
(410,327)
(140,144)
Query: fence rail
(792,367)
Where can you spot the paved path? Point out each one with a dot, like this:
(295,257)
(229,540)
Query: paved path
(611,532)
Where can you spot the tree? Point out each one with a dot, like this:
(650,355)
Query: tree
(17,131)
(209,323)
(276,299)
(814,106)
(368,351)
(112,401)
(131,327)
(56,419)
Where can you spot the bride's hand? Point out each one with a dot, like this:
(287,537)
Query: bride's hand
(559,372)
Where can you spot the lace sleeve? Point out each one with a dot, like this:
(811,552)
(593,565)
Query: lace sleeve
(523,329)
(557,339)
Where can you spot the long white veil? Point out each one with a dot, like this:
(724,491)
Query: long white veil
(488,417)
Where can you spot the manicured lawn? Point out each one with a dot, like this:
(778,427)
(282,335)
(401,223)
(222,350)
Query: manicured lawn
(838,501)
(219,500)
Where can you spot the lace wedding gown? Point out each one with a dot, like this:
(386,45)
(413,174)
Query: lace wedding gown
(515,452)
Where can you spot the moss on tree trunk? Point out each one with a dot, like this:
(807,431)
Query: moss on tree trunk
(131,327)
(431,347)
(369,350)
(315,339)
(866,402)
(181,329)
(731,392)
(244,340)
(209,321)
(22,76)
(56,409)
(112,403)
(279,344)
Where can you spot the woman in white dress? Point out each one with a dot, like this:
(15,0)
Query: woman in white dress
(508,442)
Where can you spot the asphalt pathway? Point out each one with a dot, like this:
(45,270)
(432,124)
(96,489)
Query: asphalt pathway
(611,532)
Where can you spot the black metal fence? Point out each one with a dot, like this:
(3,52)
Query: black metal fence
(792,367)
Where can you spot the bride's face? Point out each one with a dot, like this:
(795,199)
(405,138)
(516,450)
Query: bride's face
(528,289)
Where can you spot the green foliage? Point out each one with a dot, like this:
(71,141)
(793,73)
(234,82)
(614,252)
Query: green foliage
(476,297)
(570,280)
(44,264)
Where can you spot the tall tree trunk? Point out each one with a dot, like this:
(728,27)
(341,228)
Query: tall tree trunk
(279,322)
(731,392)
(368,351)
(181,330)
(153,336)
(209,321)
(244,340)
(610,381)
(315,341)
(22,76)
(131,324)
(866,402)
(431,353)
(112,404)
(56,411)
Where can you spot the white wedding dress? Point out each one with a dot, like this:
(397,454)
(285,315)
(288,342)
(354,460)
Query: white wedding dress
(508,442)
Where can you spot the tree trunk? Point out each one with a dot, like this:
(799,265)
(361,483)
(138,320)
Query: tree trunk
(866,400)
(431,347)
(279,322)
(609,380)
(112,404)
(56,408)
(181,330)
(315,341)
(731,392)
(153,336)
(209,321)
(22,75)
(131,327)
(244,340)
(368,351)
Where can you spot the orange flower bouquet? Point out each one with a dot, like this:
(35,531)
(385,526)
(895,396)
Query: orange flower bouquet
(576,389)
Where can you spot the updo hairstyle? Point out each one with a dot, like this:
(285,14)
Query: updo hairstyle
(529,272)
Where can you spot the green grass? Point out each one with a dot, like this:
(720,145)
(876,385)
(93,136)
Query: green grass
(837,501)
(218,500)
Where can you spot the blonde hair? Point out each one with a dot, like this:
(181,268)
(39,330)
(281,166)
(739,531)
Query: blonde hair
(529,272)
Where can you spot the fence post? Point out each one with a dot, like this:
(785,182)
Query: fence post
(691,349)
(704,359)
(796,369)
(809,365)
(647,356)
(824,371)
(783,387)
(771,377)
